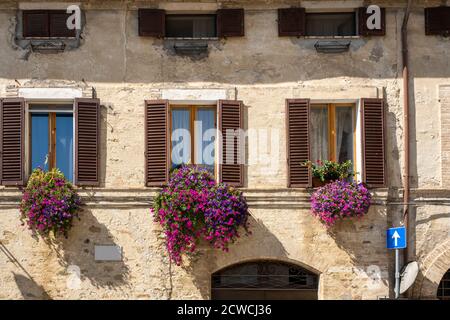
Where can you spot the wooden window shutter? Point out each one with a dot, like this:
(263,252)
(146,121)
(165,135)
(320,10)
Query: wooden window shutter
(156,142)
(362,23)
(230,23)
(373,136)
(87,142)
(291,22)
(58,25)
(12,116)
(152,23)
(35,23)
(298,146)
(231,166)
(437,21)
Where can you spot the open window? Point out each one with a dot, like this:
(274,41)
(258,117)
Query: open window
(193,26)
(331,24)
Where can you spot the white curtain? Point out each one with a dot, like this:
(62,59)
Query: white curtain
(181,138)
(205,137)
(344,134)
(319,133)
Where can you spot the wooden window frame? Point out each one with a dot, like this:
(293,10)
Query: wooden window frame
(331,109)
(192,109)
(51,134)
(49,30)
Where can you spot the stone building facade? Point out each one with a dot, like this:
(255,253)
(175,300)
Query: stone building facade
(110,61)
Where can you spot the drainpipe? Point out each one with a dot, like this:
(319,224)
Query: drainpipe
(406,186)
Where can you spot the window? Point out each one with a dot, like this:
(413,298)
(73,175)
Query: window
(331,24)
(51,138)
(46,24)
(193,132)
(443,292)
(332,132)
(191,26)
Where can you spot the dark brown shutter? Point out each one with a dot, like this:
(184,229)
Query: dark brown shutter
(298,146)
(291,22)
(156,142)
(152,23)
(230,23)
(87,141)
(35,23)
(362,23)
(12,111)
(58,25)
(230,121)
(373,142)
(437,21)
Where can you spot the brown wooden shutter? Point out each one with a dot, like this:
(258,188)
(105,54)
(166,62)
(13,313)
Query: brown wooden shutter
(58,24)
(373,135)
(230,23)
(231,166)
(152,23)
(35,23)
(87,141)
(156,142)
(298,146)
(437,21)
(362,23)
(12,115)
(291,22)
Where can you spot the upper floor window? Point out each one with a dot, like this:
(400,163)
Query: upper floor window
(331,24)
(46,24)
(191,26)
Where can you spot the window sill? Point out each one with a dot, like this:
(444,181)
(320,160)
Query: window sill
(192,39)
(331,37)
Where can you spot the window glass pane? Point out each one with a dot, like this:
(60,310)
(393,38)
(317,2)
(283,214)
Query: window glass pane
(319,133)
(330,24)
(39,140)
(344,134)
(181,138)
(64,144)
(190,26)
(205,137)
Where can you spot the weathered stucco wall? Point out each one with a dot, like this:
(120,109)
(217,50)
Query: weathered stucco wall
(262,70)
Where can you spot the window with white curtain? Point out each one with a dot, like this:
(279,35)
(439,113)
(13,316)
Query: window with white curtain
(332,132)
(193,136)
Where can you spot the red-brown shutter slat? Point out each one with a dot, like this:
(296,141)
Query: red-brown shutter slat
(152,23)
(12,115)
(35,23)
(231,166)
(58,25)
(437,21)
(362,23)
(87,142)
(373,142)
(156,142)
(298,146)
(230,23)
(291,22)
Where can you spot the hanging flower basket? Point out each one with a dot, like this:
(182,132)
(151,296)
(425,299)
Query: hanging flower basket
(340,199)
(193,207)
(49,203)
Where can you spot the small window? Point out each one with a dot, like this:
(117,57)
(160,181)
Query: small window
(331,24)
(193,132)
(332,132)
(46,24)
(191,26)
(443,292)
(51,138)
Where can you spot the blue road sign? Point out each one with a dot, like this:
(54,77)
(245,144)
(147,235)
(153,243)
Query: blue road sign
(396,238)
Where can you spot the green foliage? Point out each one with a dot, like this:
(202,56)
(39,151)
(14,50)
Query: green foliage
(330,170)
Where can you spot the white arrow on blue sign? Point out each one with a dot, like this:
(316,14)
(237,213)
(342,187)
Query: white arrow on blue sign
(396,238)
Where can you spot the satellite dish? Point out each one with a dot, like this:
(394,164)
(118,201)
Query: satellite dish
(408,276)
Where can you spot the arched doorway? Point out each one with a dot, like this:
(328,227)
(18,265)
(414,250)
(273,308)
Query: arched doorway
(443,292)
(260,280)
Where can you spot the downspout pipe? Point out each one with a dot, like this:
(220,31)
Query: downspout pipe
(406,178)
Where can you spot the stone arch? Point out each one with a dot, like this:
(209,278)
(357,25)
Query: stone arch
(431,270)
(265,279)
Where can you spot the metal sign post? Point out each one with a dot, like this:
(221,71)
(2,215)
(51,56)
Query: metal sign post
(396,239)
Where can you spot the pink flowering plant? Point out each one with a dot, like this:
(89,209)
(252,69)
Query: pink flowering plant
(193,206)
(340,199)
(49,203)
